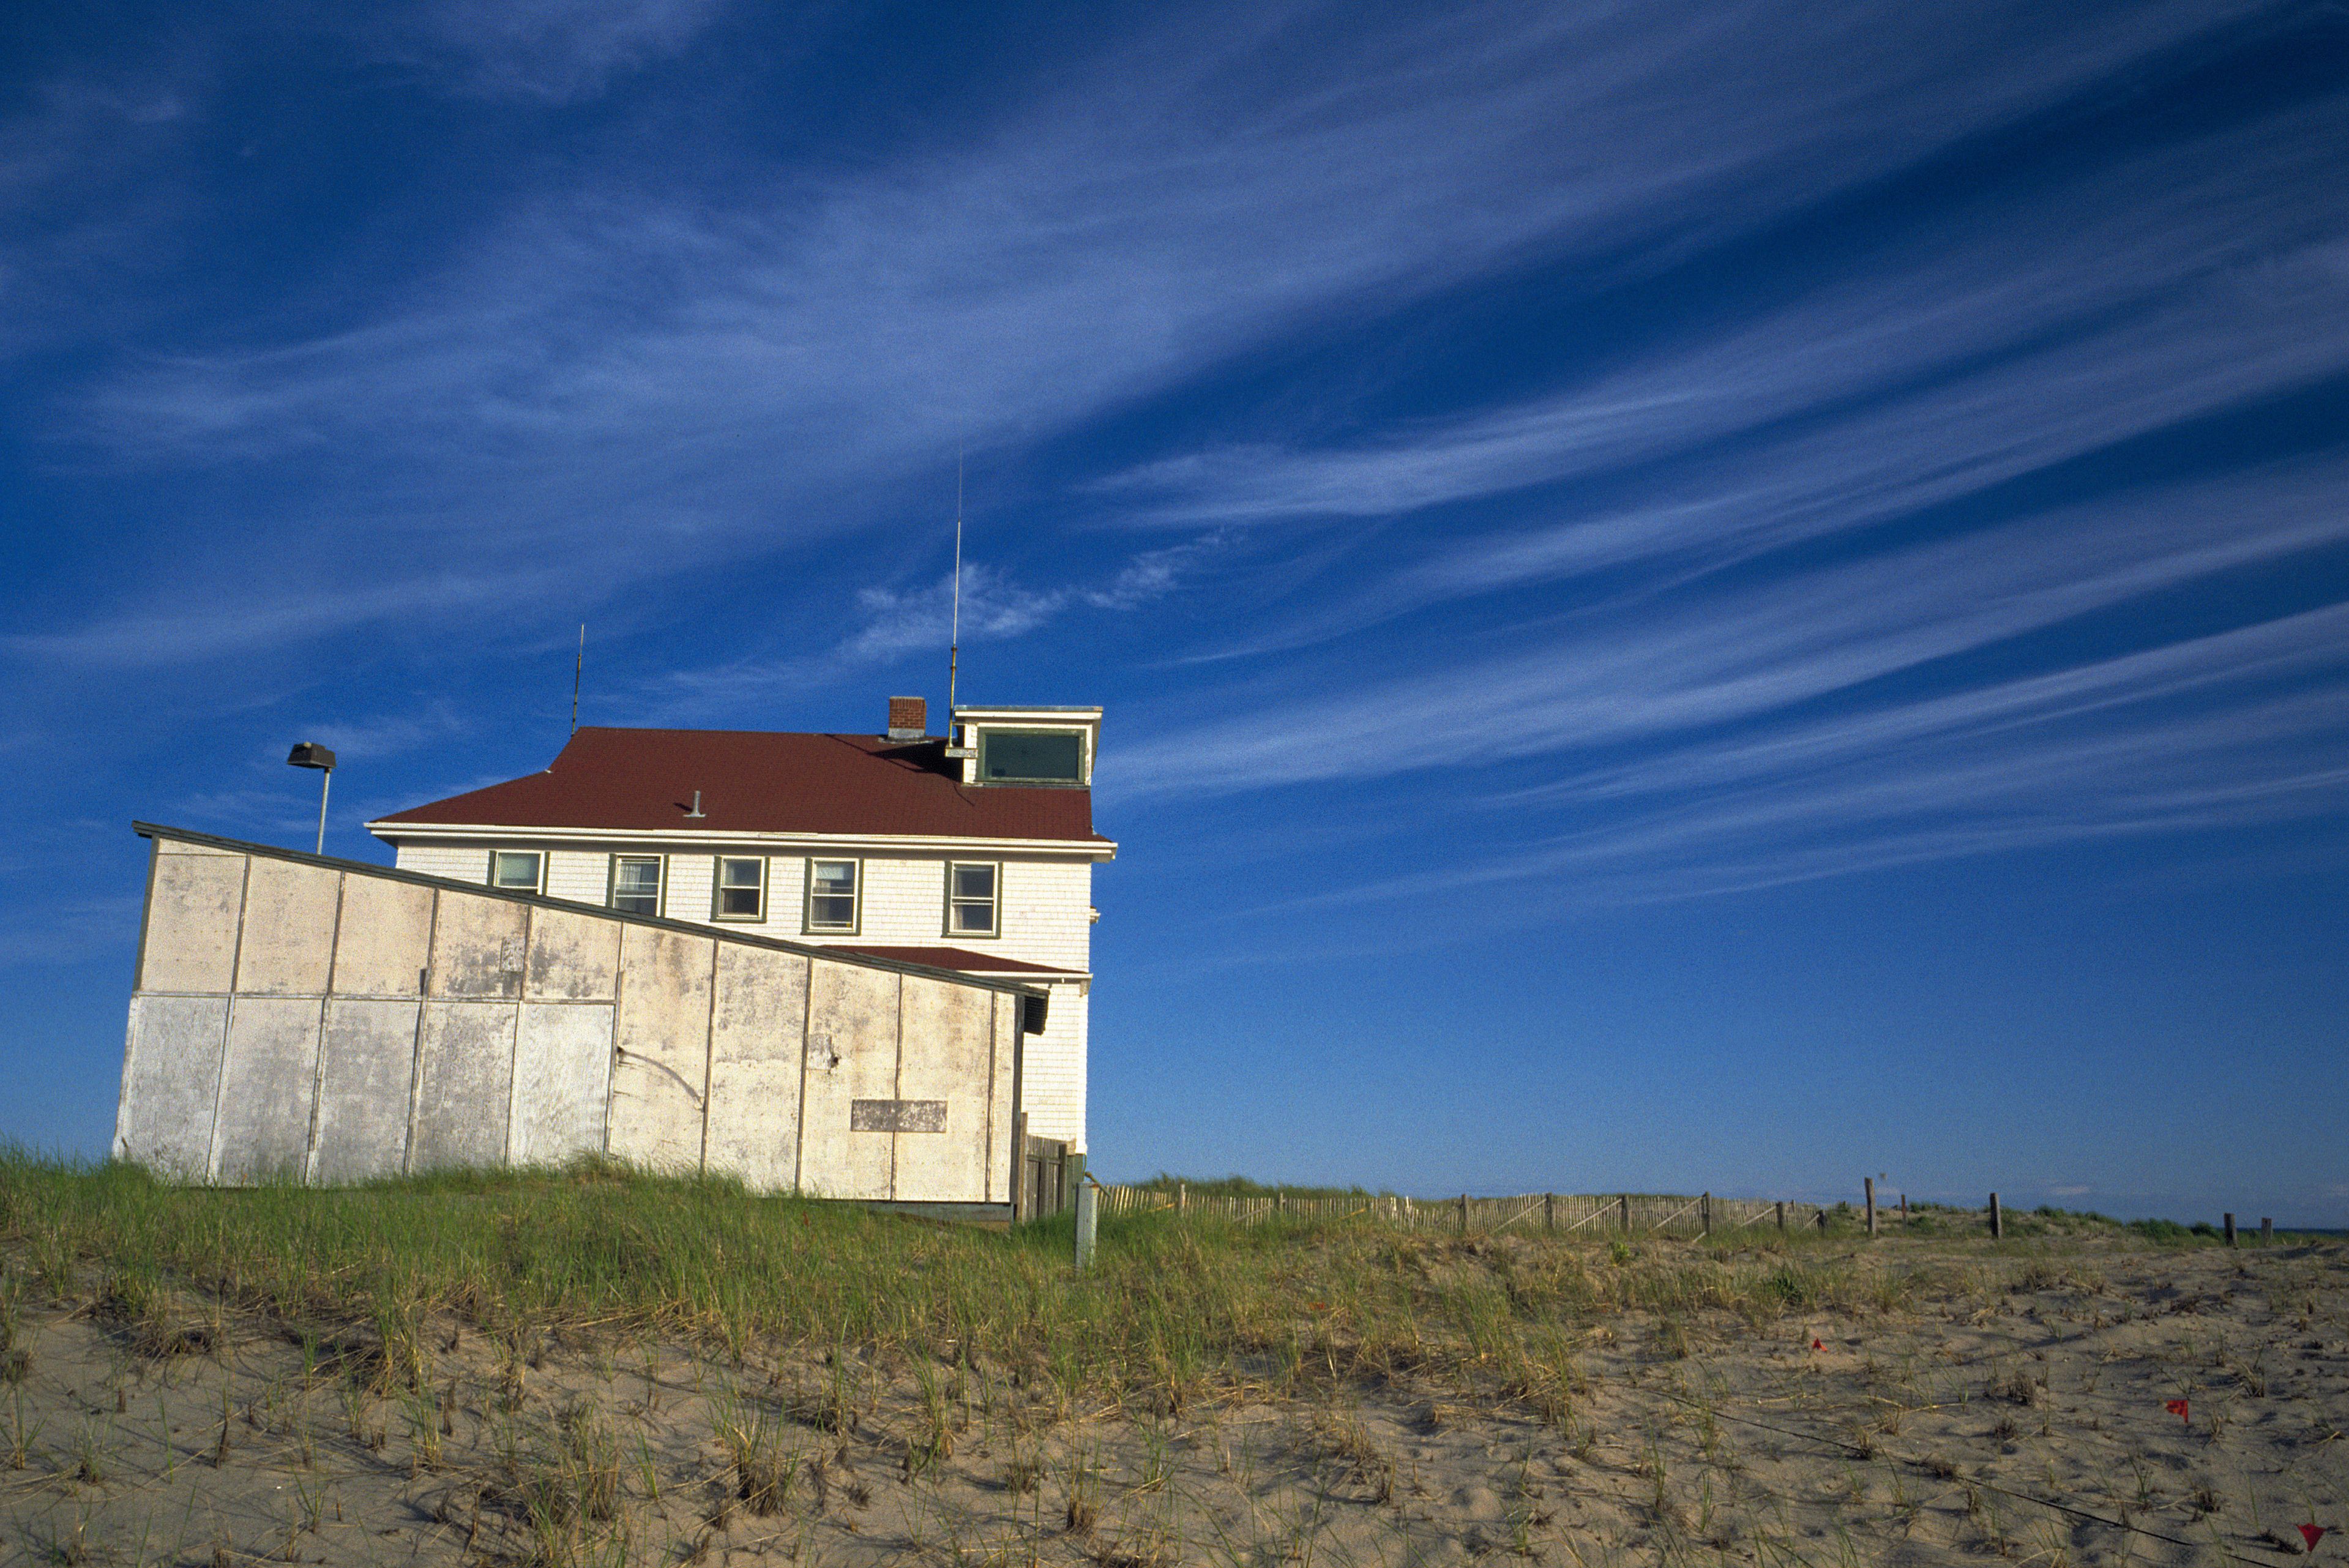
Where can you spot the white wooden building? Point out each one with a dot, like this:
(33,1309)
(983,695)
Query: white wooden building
(972,853)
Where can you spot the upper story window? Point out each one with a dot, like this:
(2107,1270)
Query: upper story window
(517,871)
(741,889)
(1031,756)
(973,902)
(832,893)
(637,884)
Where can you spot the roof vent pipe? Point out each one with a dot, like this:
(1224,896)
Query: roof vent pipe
(697,805)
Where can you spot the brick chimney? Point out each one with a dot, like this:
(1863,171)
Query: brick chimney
(909,719)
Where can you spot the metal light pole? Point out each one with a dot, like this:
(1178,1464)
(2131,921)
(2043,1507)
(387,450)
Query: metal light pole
(310,754)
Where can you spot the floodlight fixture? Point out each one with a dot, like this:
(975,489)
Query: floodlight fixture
(310,754)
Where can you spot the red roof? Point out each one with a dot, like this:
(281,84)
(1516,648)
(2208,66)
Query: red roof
(961,958)
(761,781)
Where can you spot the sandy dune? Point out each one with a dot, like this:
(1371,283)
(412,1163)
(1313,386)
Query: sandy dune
(1917,1434)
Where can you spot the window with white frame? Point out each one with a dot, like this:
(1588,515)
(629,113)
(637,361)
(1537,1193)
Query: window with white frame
(517,871)
(637,884)
(832,896)
(973,900)
(742,888)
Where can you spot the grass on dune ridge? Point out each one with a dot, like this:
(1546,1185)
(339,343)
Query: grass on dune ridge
(1171,1305)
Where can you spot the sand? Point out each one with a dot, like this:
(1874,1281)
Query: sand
(1928,1434)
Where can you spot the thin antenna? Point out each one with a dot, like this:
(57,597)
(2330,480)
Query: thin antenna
(954,638)
(576,670)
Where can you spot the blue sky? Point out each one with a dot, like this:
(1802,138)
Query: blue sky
(1730,595)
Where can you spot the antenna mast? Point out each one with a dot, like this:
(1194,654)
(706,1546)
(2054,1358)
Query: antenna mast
(954,638)
(578,668)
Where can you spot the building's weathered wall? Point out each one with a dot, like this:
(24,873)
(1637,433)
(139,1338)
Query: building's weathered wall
(329,1021)
(1047,918)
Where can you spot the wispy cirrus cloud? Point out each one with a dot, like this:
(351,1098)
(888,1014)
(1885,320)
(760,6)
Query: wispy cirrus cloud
(2237,730)
(1610,676)
(1824,721)
(613,363)
(2198,279)
(895,622)
(550,51)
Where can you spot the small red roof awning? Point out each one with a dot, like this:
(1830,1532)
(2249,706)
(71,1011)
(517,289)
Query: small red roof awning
(959,958)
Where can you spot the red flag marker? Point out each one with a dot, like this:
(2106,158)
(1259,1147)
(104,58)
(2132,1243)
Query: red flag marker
(2178,1408)
(1816,1345)
(2312,1534)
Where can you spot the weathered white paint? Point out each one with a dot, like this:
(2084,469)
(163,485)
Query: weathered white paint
(464,1085)
(171,1083)
(283,904)
(562,1064)
(662,1051)
(196,908)
(263,1128)
(756,1016)
(448,1027)
(384,939)
(365,1079)
(1046,918)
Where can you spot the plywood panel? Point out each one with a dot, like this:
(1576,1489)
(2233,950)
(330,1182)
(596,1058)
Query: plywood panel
(366,1073)
(755,1034)
(945,1035)
(192,922)
(170,1084)
(478,947)
(385,938)
(562,1063)
(289,929)
(663,1044)
(267,1086)
(851,1055)
(465,1072)
(573,957)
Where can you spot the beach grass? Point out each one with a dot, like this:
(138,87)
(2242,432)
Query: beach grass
(1174,1304)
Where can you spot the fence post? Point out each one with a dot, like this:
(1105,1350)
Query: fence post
(1782,1217)
(1279,1204)
(1869,1182)
(1087,1218)
(1549,1211)
(1904,1211)
(1623,1207)
(2267,1231)
(1704,1213)
(1464,1213)
(1823,1222)
(1181,1197)
(1019,1168)
(1997,1223)
(2231,1230)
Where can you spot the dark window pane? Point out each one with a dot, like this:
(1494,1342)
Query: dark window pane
(829,911)
(1052,758)
(835,876)
(738,873)
(739,901)
(974,882)
(515,869)
(974,917)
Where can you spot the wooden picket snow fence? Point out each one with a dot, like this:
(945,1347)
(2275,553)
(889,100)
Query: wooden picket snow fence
(1559,1213)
